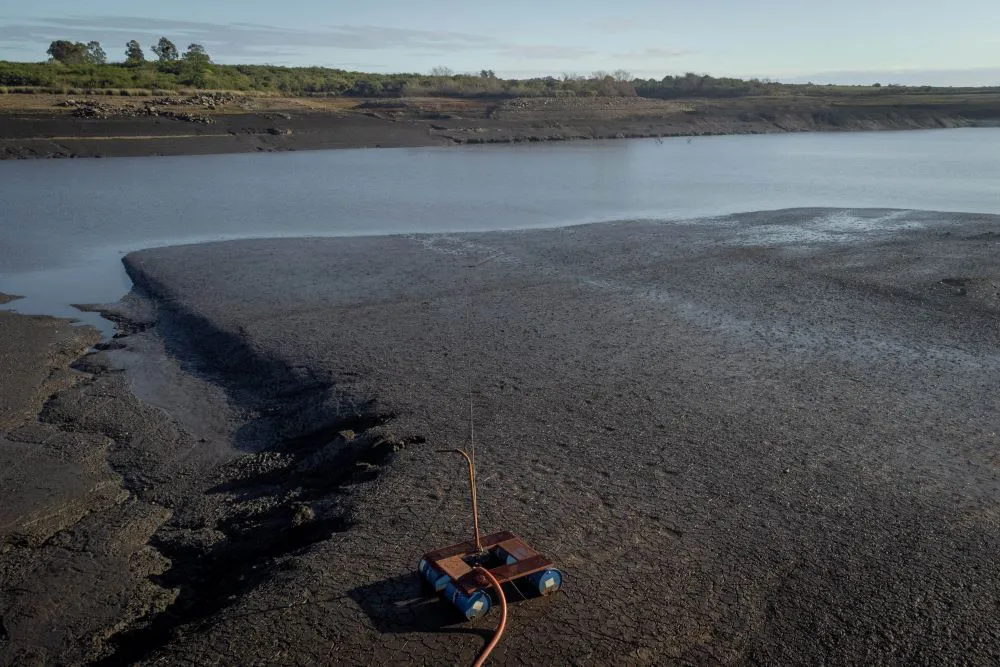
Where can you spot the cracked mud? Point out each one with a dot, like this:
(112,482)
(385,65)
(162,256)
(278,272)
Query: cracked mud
(762,438)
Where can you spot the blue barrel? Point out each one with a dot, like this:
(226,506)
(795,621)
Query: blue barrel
(546,581)
(473,606)
(436,579)
(505,557)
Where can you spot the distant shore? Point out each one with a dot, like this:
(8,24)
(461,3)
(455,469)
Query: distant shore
(60,126)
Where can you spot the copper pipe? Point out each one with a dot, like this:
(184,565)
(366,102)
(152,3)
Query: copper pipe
(481,660)
(472,486)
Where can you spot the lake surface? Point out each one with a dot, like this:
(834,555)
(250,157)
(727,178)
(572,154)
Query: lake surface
(64,225)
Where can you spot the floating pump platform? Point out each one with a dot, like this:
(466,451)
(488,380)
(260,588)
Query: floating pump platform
(464,572)
(454,571)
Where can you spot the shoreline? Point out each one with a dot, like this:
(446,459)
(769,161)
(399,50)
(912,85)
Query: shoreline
(37,131)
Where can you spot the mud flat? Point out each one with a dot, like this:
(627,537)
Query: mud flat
(767,437)
(74,558)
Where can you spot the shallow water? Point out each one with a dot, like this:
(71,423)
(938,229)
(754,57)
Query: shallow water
(65,224)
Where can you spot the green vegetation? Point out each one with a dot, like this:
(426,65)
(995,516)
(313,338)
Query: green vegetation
(195,70)
(695,85)
(76,53)
(84,67)
(165,50)
(133,54)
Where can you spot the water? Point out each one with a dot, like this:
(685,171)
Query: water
(64,225)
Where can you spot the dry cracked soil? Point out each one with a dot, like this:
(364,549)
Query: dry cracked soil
(767,438)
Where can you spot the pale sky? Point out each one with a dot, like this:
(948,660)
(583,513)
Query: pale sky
(850,41)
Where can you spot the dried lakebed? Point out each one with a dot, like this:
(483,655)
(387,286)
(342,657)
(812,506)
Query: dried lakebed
(767,437)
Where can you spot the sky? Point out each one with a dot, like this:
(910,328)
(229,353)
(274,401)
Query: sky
(846,41)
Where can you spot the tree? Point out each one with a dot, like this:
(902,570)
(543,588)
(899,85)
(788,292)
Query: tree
(68,53)
(622,76)
(370,87)
(95,54)
(195,66)
(442,71)
(196,54)
(165,51)
(488,74)
(134,54)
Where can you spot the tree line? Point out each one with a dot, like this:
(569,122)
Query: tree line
(190,68)
(85,67)
(92,53)
(317,81)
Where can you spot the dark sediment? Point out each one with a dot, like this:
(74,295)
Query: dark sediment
(301,124)
(121,526)
(767,437)
(74,559)
(763,438)
(62,136)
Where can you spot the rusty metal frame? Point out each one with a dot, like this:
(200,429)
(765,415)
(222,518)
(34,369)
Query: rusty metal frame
(450,561)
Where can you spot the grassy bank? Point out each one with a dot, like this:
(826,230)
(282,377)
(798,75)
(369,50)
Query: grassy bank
(156,78)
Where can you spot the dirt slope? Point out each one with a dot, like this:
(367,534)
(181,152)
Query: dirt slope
(54,126)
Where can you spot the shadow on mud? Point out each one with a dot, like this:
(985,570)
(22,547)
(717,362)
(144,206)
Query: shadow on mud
(305,445)
(403,604)
(304,501)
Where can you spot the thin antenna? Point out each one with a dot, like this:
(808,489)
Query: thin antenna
(470,456)
(472,426)
(472,382)
(472,430)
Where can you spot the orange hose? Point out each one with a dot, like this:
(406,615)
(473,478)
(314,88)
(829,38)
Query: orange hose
(481,660)
(472,488)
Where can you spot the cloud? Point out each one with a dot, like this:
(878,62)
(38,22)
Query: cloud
(654,53)
(545,52)
(228,41)
(616,25)
(236,37)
